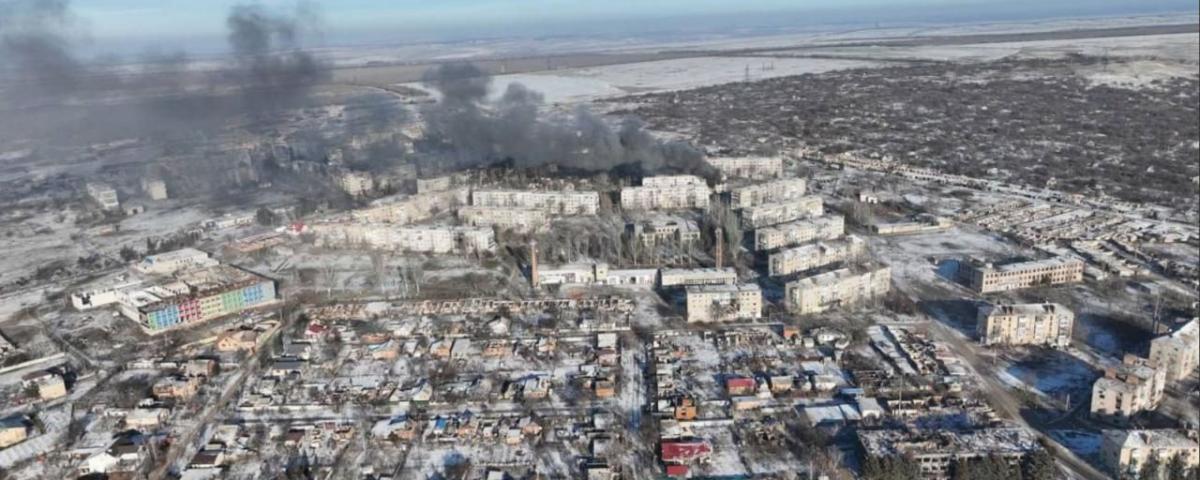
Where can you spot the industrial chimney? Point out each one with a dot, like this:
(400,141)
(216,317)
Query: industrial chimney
(533,266)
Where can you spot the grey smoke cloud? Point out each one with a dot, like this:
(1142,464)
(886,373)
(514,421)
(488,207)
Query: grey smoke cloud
(465,129)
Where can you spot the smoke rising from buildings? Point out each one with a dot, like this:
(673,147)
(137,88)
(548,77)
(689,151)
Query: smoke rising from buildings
(465,128)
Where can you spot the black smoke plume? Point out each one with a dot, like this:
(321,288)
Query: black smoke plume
(465,129)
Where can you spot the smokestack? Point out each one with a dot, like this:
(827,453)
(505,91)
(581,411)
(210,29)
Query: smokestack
(720,253)
(533,266)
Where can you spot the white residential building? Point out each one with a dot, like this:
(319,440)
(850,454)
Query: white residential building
(356,184)
(667,193)
(516,219)
(103,195)
(776,191)
(665,230)
(782,212)
(566,202)
(800,231)
(410,209)
(837,288)
(1130,388)
(428,239)
(1178,353)
(1125,452)
(1026,324)
(749,167)
(720,303)
(815,255)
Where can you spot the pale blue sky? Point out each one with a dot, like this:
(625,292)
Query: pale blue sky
(178,23)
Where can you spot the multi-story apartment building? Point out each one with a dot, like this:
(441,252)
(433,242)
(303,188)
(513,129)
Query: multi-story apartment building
(721,303)
(667,193)
(103,195)
(1130,388)
(414,208)
(782,212)
(936,451)
(1178,353)
(155,188)
(749,167)
(552,202)
(1026,324)
(837,288)
(517,219)
(356,184)
(424,239)
(683,277)
(769,192)
(987,278)
(800,231)
(815,255)
(1125,452)
(197,296)
(665,230)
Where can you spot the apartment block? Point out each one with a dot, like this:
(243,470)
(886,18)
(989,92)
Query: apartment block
(1047,324)
(782,212)
(424,239)
(410,209)
(667,193)
(196,296)
(1125,452)
(801,231)
(552,202)
(356,184)
(721,303)
(516,219)
(155,188)
(815,255)
(987,278)
(838,288)
(749,167)
(776,191)
(1178,353)
(683,277)
(1130,388)
(103,195)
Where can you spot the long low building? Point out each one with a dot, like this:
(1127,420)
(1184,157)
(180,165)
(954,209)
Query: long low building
(776,191)
(595,274)
(428,239)
(1047,324)
(987,278)
(410,209)
(722,303)
(815,255)
(748,167)
(504,218)
(801,231)
(683,277)
(196,296)
(782,212)
(935,451)
(838,288)
(567,202)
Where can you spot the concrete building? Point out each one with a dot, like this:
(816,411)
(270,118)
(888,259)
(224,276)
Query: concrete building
(815,255)
(667,193)
(167,263)
(837,288)
(565,202)
(1125,452)
(356,184)
(749,167)
(516,219)
(410,209)
(1130,388)
(595,274)
(776,191)
(987,278)
(721,303)
(155,188)
(197,296)
(423,239)
(683,277)
(103,195)
(782,212)
(936,451)
(800,231)
(49,385)
(665,230)
(1178,353)
(1047,324)
(13,430)
(445,182)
